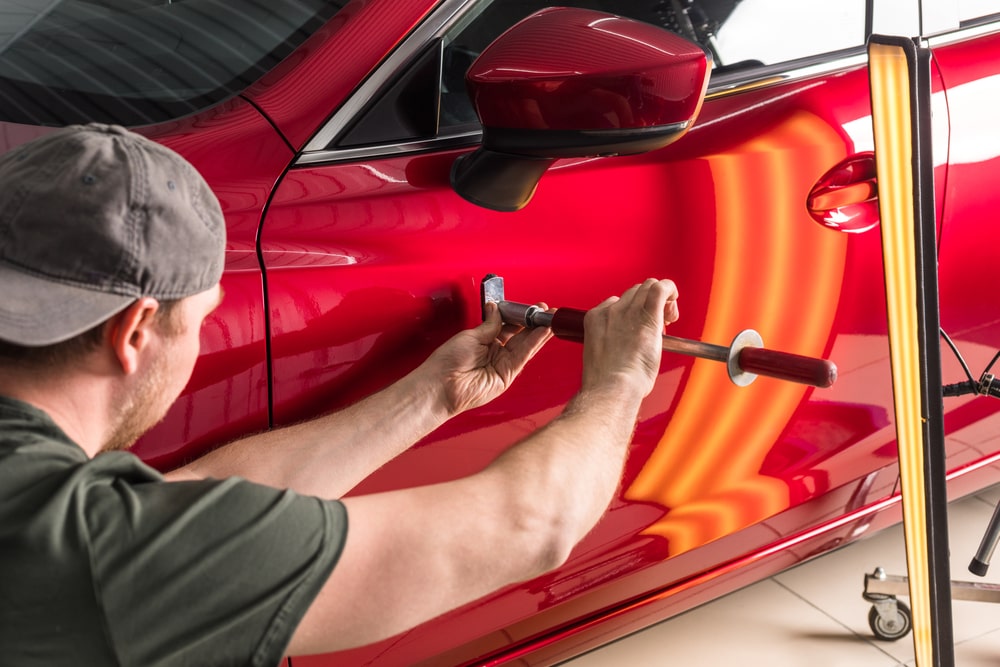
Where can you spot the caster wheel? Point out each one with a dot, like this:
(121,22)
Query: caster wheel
(892,629)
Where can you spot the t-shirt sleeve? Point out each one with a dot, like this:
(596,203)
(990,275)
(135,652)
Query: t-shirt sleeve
(214,572)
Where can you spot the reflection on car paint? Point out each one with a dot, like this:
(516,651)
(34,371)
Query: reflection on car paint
(705,468)
(343,276)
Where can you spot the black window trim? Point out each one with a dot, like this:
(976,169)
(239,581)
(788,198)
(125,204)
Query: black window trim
(433,27)
(450,12)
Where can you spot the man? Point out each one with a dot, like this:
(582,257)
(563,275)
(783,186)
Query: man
(111,255)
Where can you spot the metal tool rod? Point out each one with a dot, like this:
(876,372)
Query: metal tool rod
(745,358)
(695,348)
(533,316)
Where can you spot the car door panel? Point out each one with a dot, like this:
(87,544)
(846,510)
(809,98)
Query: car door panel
(774,472)
(722,212)
(370,261)
(346,268)
(304,90)
(969,306)
(241,156)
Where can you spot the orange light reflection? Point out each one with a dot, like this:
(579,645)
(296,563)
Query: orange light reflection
(705,467)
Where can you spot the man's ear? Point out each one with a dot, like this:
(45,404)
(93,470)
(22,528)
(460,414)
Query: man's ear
(130,332)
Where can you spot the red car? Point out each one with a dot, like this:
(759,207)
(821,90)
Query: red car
(330,132)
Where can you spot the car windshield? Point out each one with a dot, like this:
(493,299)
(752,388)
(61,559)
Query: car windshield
(136,62)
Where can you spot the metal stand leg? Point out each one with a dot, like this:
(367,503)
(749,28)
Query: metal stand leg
(890,619)
(981,561)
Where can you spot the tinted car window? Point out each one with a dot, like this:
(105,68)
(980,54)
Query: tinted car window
(134,62)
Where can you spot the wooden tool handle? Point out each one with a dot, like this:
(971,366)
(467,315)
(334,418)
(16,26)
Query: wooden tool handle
(787,366)
(567,323)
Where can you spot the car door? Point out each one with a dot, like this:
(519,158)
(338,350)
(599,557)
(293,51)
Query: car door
(372,260)
(964,49)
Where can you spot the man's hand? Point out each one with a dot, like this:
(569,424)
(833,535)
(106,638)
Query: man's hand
(624,336)
(477,365)
(523,513)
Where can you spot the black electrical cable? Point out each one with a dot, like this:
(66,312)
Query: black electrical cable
(985,386)
(958,354)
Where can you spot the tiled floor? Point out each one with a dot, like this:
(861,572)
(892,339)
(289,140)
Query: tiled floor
(814,614)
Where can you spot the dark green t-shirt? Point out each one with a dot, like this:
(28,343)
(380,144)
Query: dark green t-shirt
(102,562)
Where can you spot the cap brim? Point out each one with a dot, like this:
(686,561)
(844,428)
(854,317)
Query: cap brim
(36,312)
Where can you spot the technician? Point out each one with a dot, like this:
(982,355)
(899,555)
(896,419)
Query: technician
(111,252)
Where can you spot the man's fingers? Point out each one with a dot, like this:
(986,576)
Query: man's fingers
(491,326)
(526,343)
(607,303)
(630,295)
(508,331)
(522,347)
(661,297)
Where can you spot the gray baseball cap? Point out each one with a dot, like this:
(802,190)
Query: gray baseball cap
(92,217)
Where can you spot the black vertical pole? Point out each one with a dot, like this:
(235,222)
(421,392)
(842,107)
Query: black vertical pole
(901,115)
(928,309)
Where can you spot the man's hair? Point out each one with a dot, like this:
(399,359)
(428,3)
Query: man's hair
(50,357)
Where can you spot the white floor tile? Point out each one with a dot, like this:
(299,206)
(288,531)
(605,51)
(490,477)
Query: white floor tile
(834,583)
(979,652)
(990,496)
(814,614)
(764,624)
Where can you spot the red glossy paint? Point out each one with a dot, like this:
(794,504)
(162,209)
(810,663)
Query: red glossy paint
(846,197)
(969,239)
(341,277)
(585,70)
(721,212)
(304,89)
(241,156)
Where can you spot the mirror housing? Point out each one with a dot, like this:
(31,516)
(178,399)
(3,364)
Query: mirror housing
(566,83)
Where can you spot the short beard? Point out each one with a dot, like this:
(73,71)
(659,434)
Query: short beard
(142,407)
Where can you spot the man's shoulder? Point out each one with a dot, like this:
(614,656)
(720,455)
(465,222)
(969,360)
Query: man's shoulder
(22,426)
(32,445)
(45,477)
(32,450)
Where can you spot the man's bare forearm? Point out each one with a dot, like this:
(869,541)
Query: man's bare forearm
(567,473)
(516,519)
(328,456)
(513,520)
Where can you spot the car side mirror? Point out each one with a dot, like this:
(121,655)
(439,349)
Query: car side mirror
(566,83)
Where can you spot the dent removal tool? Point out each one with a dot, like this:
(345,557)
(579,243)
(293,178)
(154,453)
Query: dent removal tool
(745,358)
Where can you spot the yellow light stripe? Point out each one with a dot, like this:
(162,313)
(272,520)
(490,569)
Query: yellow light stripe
(891,117)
